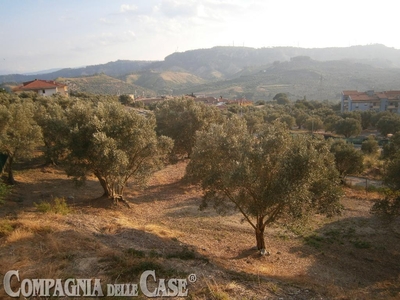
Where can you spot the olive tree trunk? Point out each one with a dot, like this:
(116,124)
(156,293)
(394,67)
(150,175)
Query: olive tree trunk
(260,227)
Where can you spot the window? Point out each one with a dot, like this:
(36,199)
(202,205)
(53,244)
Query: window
(44,91)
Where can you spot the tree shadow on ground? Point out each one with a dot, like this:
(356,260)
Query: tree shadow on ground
(78,248)
(362,255)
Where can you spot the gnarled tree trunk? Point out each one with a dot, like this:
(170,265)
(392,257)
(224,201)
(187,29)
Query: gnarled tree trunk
(109,192)
(9,171)
(260,227)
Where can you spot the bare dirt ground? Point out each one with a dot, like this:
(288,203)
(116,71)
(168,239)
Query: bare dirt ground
(354,256)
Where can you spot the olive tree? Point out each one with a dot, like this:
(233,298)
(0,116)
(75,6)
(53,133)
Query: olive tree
(348,160)
(391,149)
(390,204)
(389,124)
(265,175)
(314,123)
(370,145)
(179,119)
(50,114)
(348,127)
(113,143)
(19,133)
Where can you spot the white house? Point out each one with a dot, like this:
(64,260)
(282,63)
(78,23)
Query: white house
(43,87)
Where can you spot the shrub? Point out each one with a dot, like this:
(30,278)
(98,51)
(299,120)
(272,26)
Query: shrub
(59,206)
(370,146)
(6,228)
(4,191)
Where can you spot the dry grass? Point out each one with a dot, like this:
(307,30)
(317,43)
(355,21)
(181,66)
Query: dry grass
(354,256)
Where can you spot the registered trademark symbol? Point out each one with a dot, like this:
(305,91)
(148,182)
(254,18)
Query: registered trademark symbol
(192,278)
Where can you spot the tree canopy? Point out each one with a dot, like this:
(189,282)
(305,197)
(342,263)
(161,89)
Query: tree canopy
(179,119)
(348,160)
(265,175)
(113,143)
(19,133)
(348,127)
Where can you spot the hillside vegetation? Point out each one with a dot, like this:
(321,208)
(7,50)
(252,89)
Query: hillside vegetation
(302,76)
(103,84)
(164,82)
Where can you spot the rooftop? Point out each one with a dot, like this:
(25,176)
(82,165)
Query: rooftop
(38,84)
(371,95)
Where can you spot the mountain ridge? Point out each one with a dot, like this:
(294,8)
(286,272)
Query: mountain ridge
(223,69)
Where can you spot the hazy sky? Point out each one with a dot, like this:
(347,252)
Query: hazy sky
(44,34)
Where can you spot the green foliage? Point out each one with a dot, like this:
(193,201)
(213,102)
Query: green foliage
(314,240)
(254,119)
(388,206)
(179,119)
(389,124)
(330,122)
(370,145)
(58,206)
(352,115)
(265,175)
(392,174)
(288,120)
(6,227)
(361,244)
(128,265)
(348,127)
(314,123)
(19,132)
(281,99)
(301,117)
(366,119)
(102,84)
(135,253)
(348,160)
(50,115)
(184,254)
(113,143)
(4,191)
(391,149)
(125,99)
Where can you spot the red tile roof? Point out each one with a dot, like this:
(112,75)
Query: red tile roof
(371,96)
(39,84)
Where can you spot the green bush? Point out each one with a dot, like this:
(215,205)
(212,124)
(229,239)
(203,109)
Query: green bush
(59,206)
(5,228)
(4,191)
(370,146)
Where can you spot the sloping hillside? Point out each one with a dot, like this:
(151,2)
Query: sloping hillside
(301,77)
(103,84)
(164,82)
(116,68)
(226,62)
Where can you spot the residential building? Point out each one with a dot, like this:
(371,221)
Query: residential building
(43,87)
(370,100)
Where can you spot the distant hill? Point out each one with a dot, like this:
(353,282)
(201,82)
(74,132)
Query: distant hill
(301,77)
(115,69)
(319,73)
(164,82)
(226,62)
(103,84)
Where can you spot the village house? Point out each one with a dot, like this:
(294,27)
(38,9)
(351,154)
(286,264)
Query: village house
(42,87)
(370,100)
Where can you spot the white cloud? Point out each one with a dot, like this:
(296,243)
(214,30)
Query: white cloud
(131,33)
(128,8)
(106,21)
